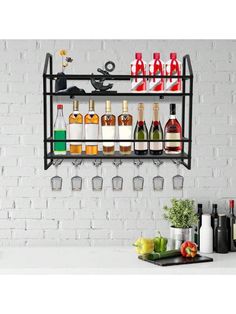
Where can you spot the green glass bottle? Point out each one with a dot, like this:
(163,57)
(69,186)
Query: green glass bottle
(156,132)
(141,133)
(60,132)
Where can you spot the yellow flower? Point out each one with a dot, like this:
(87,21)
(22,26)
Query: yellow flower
(62,52)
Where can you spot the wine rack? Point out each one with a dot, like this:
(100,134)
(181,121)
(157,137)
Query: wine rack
(186,119)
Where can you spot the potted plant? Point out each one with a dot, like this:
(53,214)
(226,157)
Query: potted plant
(182,218)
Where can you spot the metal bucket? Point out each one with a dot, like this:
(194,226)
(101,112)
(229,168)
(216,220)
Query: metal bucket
(178,236)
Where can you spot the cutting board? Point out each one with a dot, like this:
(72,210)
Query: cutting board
(179,260)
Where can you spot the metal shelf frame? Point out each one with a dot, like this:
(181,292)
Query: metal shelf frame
(48,102)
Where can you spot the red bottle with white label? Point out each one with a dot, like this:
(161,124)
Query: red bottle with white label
(173,131)
(138,67)
(173,68)
(156,67)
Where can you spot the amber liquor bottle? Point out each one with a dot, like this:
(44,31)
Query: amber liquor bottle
(91,123)
(108,122)
(125,124)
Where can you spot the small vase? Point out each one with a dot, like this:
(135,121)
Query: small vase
(206,235)
(178,236)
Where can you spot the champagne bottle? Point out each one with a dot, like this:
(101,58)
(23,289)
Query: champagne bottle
(156,132)
(75,128)
(141,133)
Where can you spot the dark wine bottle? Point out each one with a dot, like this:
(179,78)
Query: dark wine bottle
(141,133)
(214,223)
(222,235)
(231,227)
(199,224)
(156,132)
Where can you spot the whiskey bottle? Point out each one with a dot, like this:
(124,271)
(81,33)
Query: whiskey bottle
(108,122)
(125,124)
(91,123)
(75,129)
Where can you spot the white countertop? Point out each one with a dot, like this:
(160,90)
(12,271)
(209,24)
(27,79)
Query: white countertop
(99,260)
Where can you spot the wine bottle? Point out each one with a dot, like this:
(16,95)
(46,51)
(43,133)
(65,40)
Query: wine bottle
(199,223)
(91,121)
(60,132)
(75,128)
(125,125)
(156,132)
(140,133)
(232,227)
(222,235)
(108,122)
(214,223)
(173,131)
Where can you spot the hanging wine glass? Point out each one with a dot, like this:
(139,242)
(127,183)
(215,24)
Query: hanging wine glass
(76,181)
(178,180)
(117,181)
(56,181)
(97,181)
(138,181)
(158,181)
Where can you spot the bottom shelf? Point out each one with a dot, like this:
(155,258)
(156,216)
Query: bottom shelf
(117,155)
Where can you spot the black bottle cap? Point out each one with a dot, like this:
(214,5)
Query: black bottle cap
(214,208)
(199,208)
(173,109)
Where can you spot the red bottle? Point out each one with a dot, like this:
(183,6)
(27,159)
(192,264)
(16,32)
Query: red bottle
(173,68)
(156,67)
(138,67)
(173,131)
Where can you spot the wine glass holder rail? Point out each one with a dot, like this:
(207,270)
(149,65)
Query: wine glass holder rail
(48,100)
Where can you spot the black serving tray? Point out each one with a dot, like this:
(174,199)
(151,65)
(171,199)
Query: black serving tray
(179,260)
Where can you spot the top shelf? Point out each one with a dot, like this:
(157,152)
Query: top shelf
(113,77)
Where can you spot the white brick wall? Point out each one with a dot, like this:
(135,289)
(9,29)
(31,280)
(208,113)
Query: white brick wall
(31,214)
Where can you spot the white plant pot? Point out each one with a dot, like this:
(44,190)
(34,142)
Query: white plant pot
(178,236)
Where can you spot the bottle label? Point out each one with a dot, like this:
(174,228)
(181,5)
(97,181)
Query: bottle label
(138,67)
(156,67)
(156,145)
(234,231)
(125,133)
(59,135)
(172,136)
(75,131)
(108,133)
(91,132)
(141,146)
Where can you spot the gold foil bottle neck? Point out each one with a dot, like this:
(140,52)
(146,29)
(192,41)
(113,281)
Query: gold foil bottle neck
(156,106)
(91,105)
(75,105)
(108,106)
(140,106)
(125,106)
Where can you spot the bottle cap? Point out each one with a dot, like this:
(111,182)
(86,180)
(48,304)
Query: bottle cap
(75,105)
(156,55)
(206,219)
(173,55)
(199,206)
(172,109)
(59,106)
(108,106)
(214,206)
(231,203)
(91,105)
(125,106)
(138,55)
(155,106)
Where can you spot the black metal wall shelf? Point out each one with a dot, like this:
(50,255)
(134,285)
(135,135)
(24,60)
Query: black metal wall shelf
(48,93)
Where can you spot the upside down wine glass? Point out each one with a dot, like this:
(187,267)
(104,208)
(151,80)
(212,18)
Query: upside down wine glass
(158,181)
(97,181)
(56,181)
(76,181)
(138,181)
(178,180)
(117,181)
